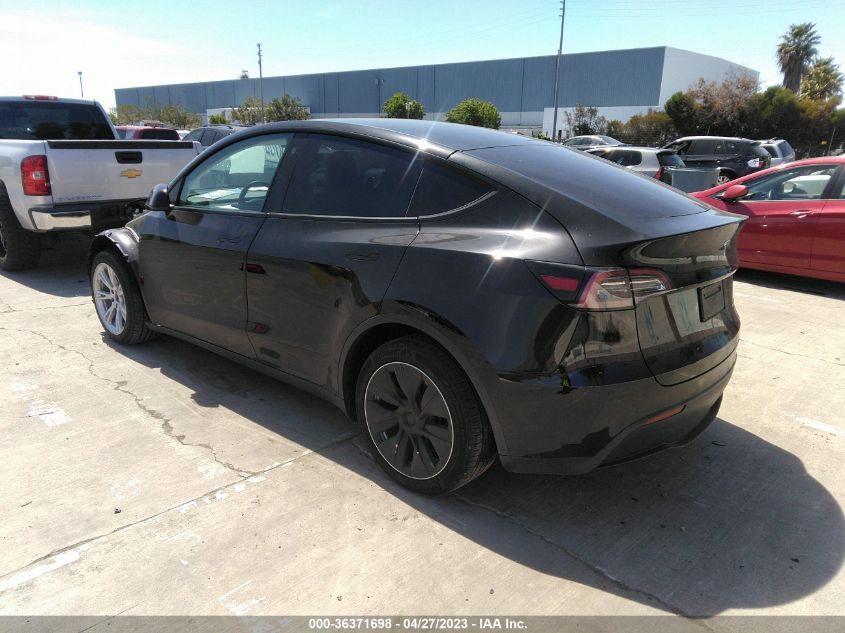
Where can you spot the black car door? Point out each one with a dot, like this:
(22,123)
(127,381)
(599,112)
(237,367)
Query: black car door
(192,257)
(323,260)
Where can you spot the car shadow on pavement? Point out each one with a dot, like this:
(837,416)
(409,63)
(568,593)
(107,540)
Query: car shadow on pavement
(62,270)
(781,281)
(729,522)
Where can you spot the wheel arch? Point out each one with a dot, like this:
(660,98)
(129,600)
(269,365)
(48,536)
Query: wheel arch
(387,327)
(124,242)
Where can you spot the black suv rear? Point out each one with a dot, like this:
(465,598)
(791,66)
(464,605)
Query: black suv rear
(733,157)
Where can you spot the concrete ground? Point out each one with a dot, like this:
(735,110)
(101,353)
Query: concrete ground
(163,479)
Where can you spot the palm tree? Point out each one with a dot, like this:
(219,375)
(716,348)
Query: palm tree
(823,80)
(796,49)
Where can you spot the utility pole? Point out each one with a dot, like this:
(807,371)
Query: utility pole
(81,91)
(557,68)
(261,82)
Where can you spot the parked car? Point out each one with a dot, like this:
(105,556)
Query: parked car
(148,133)
(796,217)
(588,142)
(461,292)
(62,169)
(733,157)
(780,151)
(648,161)
(208,135)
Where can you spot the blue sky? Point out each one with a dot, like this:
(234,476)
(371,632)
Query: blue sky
(118,44)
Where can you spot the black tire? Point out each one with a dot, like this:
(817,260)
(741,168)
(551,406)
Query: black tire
(135,329)
(724,176)
(19,249)
(473,448)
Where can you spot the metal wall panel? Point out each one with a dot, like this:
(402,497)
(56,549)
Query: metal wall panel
(521,87)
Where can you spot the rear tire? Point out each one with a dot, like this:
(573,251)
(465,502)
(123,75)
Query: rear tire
(118,300)
(424,422)
(723,177)
(19,249)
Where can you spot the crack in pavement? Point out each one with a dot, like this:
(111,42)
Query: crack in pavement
(10,310)
(328,445)
(121,386)
(782,351)
(598,571)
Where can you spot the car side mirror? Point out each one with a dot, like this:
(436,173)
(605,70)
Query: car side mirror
(159,199)
(734,193)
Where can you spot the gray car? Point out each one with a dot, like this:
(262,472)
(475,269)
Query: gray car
(780,150)
(648,161)
(590,141)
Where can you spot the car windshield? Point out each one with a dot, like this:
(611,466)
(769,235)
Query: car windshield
(48,120)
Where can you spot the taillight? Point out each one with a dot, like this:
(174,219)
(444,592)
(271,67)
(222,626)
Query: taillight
(619,289)
(659,174)
(35,177)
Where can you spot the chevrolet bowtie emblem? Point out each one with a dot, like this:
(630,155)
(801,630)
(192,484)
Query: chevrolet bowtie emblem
(131,173)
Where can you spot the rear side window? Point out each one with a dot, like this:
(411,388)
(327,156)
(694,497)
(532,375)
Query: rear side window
(625,157)
(49,120)
(704,146)
(442,188)
(193,136)
(682,147)
(340,176)
(670,160)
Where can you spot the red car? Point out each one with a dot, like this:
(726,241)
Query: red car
(147,133)
(796,217)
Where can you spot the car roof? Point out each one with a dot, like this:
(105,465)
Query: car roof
(438,137)
(616,148)
(715,138)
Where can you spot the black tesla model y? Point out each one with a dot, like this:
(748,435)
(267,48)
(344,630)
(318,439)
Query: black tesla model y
(464,294)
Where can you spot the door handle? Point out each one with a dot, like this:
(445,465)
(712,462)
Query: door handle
(258,269)
(803,213)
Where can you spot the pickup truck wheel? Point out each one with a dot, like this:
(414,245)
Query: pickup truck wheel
(118,300)
(19,249)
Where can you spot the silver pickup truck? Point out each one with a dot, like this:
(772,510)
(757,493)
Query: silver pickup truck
(63,169)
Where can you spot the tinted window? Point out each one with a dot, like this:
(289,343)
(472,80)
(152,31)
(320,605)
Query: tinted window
(786,148)
(670,160)
(758,150)
(772,151)
(160,135)
(44,120)
(193,136)
(682,147)
(625,157)
(441,188)
(704,146)
(347,177)
(236,178)
(799,183)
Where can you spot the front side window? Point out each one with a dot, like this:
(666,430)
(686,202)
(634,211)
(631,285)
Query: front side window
(800,183)
(348,177)
(237,178)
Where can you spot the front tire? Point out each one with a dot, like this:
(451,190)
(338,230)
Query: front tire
(19,249)
(423,420)
(724,177)
(118,300)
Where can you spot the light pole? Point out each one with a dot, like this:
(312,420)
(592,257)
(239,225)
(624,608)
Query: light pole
(261,82)
(81,91)
(379,82)
(408,105)
(557,68)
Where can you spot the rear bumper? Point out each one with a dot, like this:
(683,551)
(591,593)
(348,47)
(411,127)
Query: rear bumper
(594,426)
(90,218)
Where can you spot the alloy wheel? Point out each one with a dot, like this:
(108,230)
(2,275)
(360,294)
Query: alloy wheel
(409,420)
(109,299)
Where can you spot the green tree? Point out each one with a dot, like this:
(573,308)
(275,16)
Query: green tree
(797,48)
(684,112)
(248,113)
(175,115)
(217,119)
(475,112)
(584,120)
(401,106)
(823,80)
(286,109)
(616,129)
(776,112)
(125,114)
(652,128)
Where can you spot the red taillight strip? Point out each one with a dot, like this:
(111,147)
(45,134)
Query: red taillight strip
(565,284)
(665,415)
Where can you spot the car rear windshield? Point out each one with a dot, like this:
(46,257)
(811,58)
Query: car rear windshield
(160,135)
(772,151)
(758,150)
(670,159)
(786,148)
(46,120)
